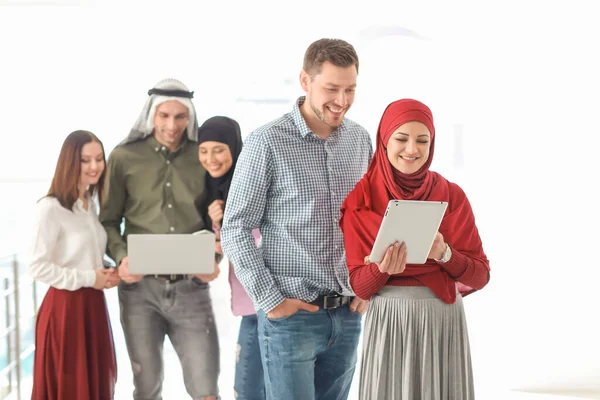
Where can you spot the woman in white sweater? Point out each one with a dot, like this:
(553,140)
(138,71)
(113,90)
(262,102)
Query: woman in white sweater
(74,356)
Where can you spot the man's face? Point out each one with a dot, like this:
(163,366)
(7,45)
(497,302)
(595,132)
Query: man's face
(170,120)
(330,93)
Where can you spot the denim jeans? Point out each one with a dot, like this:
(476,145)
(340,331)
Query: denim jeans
(249,376)
(309,356)
(154,308)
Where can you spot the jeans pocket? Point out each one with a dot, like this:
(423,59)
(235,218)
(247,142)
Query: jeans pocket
(277,319)
(283,318)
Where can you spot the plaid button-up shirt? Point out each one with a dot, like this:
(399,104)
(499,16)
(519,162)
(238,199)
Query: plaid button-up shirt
(291,184)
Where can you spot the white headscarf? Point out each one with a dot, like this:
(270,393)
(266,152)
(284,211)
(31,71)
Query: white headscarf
(145,123)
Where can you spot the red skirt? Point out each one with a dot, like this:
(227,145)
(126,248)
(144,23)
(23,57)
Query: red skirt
(74,350)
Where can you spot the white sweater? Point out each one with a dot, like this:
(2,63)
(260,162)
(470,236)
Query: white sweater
(68,245)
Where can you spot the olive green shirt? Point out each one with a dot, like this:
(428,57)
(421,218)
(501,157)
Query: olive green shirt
(153,189)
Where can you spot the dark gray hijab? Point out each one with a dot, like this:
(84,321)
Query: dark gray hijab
(227,131)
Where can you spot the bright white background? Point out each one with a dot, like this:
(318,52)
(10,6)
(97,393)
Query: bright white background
(515,91)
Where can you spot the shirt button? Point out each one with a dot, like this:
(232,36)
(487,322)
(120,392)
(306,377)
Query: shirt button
(171,229)
(162,148)
(332,193)
(168,184)
(168,162)
(157,149)
(170,205)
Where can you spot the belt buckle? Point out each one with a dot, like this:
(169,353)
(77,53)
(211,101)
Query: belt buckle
(171,277)
(332,301)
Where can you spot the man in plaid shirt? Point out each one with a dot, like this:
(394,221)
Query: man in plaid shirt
(290,181)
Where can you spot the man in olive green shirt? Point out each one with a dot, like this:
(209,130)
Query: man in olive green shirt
(154,185)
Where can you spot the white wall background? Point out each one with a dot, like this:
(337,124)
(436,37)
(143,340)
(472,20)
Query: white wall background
(517,80)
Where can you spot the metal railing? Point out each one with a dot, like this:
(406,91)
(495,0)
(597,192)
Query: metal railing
(11,376)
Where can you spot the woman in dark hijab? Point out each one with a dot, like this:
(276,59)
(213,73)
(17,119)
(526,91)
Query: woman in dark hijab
(219,145)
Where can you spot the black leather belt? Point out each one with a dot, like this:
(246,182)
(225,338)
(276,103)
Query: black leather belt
(172,278)
(333,300)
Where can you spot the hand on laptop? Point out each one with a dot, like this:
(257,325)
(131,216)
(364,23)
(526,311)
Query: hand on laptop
(209,277)
(124,272)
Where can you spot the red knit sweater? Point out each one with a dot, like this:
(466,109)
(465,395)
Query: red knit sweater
(367,280)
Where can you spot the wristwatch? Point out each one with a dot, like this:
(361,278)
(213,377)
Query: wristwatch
(445,256)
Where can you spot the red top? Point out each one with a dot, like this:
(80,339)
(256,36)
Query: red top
(362,213)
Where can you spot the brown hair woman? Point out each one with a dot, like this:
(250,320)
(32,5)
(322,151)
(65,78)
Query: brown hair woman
(74,355)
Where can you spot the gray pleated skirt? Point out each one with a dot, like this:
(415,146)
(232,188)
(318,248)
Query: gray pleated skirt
(415,347)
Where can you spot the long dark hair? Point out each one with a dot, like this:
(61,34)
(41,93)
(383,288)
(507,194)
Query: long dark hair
(65,183)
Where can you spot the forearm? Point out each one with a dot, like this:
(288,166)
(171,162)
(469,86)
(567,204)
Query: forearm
(367,280)
(467,270)
(260,286)
(116,246)
(240,247)
(61,277)
(245,212)
(113,209)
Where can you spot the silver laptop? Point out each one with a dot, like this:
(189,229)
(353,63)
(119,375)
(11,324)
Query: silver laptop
(166,254)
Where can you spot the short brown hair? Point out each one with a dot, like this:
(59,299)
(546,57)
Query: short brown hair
(65,183)
(338,52)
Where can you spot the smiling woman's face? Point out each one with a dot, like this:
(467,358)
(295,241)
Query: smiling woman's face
(215,157)
(408,147)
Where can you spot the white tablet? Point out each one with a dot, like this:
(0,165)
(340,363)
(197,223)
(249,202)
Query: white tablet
(410,221)
(166,254)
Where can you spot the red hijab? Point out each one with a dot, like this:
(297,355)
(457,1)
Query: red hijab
(364,207)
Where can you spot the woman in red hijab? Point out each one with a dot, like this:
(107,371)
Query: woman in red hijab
(415,341)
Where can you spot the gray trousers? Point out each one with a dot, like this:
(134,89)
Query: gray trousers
(153,308)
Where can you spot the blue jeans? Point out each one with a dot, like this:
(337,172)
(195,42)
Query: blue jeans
(249,377)
(309,356)
(154,308)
